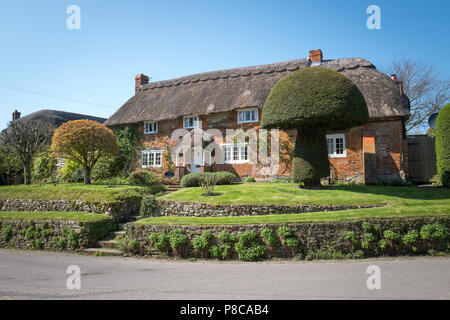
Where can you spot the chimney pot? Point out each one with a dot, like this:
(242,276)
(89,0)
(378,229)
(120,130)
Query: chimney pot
(15,115)
(315,56)
(140,80)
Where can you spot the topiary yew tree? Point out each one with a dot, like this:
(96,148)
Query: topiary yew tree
(313,101)
(443,145)
(84,141)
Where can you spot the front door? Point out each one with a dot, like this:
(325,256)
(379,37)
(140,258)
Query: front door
(196,160)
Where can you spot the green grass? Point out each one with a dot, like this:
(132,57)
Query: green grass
(74,216)
(71,191)
(398,201)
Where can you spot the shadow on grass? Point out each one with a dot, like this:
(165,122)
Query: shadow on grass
(414,193)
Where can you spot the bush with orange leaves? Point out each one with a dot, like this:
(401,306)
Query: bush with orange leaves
(84,141)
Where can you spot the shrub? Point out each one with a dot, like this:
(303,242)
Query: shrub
(178,240)
(329,253)
(248,248)
(226,177)
(351,237)
(201,243)
(72,239)
(250,179)
(269,237)
(160,241)
(224,249)
(284,231)
(443,146)
(435,231)
(143,177)
(104,168)
(194,179)
(148,206)
(133,246)
(368,238)
(7,233)
(208,182)
(44,167)
(411,237)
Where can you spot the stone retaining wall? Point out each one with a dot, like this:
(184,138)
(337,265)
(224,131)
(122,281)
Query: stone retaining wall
(182,208)
(119,210)
(57,235)
(312,237)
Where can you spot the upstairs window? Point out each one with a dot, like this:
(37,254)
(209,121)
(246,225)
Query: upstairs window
(336,146)
(151,158)
(190,122)
(235,153)
(248,115)
(150,127)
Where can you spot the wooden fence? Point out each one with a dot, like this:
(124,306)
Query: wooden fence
(422,158)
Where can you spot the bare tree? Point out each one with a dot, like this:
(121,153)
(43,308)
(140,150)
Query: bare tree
(427,88)
(27,139)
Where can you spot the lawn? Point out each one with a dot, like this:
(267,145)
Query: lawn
(398,201)
(72,191)
(74,216)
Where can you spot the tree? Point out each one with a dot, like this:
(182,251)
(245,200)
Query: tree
(27,139)
(443,146)
(313,101)
(85,142)
(427,89)
(10,164)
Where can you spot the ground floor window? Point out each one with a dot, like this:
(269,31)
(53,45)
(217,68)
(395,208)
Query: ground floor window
(336,145)
(235,153)
(151,158)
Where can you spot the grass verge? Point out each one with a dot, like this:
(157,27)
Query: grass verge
(73,216)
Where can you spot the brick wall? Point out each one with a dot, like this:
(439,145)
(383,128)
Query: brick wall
(389,159)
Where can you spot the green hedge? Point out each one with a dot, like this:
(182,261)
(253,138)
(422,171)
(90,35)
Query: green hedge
(194,179)
(443,145)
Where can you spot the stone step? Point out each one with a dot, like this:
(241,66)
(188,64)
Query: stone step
(103,251)
(109,244)
(121,226)
(118,234)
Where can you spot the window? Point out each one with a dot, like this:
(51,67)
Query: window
(190,122)
(336,146)
(248,115)
(235,153)
(150,127)
(151,158)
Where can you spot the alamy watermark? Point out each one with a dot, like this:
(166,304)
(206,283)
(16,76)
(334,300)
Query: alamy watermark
(374,20)
(73,22)
(73,282)
(374,280)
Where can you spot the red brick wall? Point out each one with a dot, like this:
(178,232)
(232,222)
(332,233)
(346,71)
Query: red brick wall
(390,147)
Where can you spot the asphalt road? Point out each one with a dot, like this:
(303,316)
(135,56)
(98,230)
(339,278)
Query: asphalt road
(38,275)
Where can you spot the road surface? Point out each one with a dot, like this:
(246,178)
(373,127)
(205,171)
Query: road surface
(42,275)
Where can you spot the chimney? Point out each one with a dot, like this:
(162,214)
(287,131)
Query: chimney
(315,56)
(15,115)
(398,82)
(140,80)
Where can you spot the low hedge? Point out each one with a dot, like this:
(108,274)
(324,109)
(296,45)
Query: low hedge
(194,179)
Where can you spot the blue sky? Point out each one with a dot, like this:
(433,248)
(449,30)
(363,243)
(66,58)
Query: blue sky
(167,39)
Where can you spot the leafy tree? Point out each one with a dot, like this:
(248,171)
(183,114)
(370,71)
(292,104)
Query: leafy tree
(443,146)
(313,101)
(84,141)
(27,139)
(10,166)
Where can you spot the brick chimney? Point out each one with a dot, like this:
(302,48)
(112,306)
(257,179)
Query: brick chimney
(15,115)
(398,82)
(140,80)
(315,56)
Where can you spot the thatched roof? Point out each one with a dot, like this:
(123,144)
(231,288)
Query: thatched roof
(57,118)
(226,90)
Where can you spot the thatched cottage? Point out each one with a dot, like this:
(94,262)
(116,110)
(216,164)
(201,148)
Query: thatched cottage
(231,99)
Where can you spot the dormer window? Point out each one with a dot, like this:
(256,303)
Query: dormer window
(248,115)
(150,127)
(190,122)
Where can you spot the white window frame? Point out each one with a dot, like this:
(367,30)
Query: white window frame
(334,137)
(240,153)
(243,111)
(151,154)
(154,125)
(196,122)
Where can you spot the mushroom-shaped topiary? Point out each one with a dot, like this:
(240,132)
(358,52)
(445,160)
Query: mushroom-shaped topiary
(443,145)
(313,101)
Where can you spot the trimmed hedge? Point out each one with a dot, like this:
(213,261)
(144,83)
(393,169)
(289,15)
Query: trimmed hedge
(443,145)
(193,179)
(143,177)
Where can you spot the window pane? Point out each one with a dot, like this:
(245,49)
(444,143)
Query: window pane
(330,145)
(151,160)
(144,159)
(253,116)
(339,146)
(235,153)
(241,116)
(158,159)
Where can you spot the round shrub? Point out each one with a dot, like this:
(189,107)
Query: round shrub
(226,177)
(443,145)
(191,180)
(248,248)
(143,177)
(250,179)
